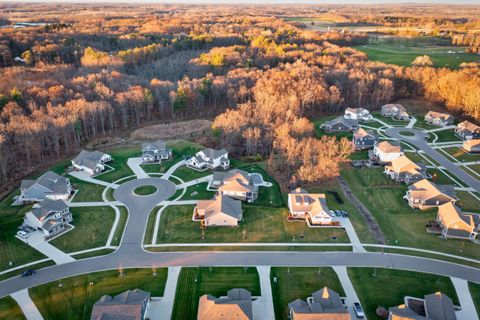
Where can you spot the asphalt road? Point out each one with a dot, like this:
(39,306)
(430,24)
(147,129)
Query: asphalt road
(130,253)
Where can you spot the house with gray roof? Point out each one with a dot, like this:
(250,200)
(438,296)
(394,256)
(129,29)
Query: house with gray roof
(395,111)
(435,306)
(340,124)
(237,305)
(467,130)
(92,162)
(360,114)
(48,186)
(425,194)
(210,159)
(52,217)
(363,139)
(221,211)
(153,152)
(129,305)
(324,304)
(236,184)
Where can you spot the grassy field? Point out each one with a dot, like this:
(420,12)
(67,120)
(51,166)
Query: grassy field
(461,155)
(299,283)
(201,192)
(475,292)
(119,163)
(75,297)
(467,202)
(86,191)
(195,282)
(387,287)
(187,248)
(446,135)
(9,309)
(117,237)
(440,177)
(260,224)
(145,190)
(92,228)
(401,225)
(188,174)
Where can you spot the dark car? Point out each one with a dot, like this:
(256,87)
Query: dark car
(28,272)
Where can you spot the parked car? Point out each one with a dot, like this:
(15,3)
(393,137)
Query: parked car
(358,310)
(28,272)
(22,234)
(338,213)
(344,214)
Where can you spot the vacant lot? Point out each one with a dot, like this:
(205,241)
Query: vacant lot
(119,163)
(76,295)
(92,228)
(299,283)
(86,191)
(188,174)
(387,287)
(9,309)
(195,282)
(260,224)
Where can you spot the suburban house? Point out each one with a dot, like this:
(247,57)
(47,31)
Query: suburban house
(386,151)
(236,305)
(439,118)
(155,151)
(210,159)
(435,306)
(471,146)
(221,211)
(359,114)
(456,224)
(425,194)
(324,304)
(236,184)
(395,111)
(340,124)
(92,162)
(131,305)
(49,216)
(309,206)
(405,170)
(48,186)
(363,139)
(467,130)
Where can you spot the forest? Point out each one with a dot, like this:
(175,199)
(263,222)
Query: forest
(83,74)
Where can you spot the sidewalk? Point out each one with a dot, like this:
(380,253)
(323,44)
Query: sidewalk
(82,175)
(161,309)
(27,305)
(37,241)
(354,240)
(172,169)
(351,295)
(134,164)
(194,182)
(468,311)
(263,306)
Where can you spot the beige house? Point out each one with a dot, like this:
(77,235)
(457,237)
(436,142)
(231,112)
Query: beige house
(309,206)
(236,184)
(395,111)
(221,211)
(440,119)
(324,304)
(456,224)
(472,146)
(405,170)
(386,151)
(425,194)
(237,305)
(467,130)
(435,306)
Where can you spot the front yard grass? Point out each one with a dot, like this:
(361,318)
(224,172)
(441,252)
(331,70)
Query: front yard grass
(417,157)
(74,299)
(475,292)
(9,309)
(260,224)
(87,192)
(299,283)
(388,287)
(201,192)
(147,237)
(439,177)
(475,168)
(92,228)
(467,202)
(119,163)
(401,225)
(461,155)
(446,135)
(188,174)
(195,282)
(117,237)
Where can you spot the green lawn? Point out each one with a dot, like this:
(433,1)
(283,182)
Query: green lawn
(359,155)
(75,297)
(260,224)
(422,124)
(461,155)
(388,287)
(145,190)
(188,174)
(9,309)
(446,135)
(87,192)
(195,282)
(92,228)
(109,194)
(117,237)
(401,225)
(201,192)
(90,254)
(467,202)
(475,168)
(475,292)
(416,157)
(119,163)
(439,177)
(299,283)
(147,238)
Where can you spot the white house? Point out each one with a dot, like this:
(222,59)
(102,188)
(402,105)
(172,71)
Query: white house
(360,114)
(440,119)
(395,111)
(304,205)
(92,162)
(157,151)
(387,151)
(48,186)
(210,159)
(50,216)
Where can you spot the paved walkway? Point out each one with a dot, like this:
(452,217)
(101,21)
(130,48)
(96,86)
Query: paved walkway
(173,168)
(95,204)
(442,128)
(194,182)
(350,294)
(161,309)
(354,240)
(157,225)
(412,122)
(27,305)
(263,306)
(36,240)
(114,227)
(468,311)
(134,164)
(82,175)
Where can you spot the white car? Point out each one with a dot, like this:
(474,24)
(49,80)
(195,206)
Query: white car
(358,310)
(22,234)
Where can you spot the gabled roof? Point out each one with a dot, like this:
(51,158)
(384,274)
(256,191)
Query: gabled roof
(394,107)
(389,146)
(356,110)
(126,305)
(467,125)
(326,304)
(47,206)
(404,165)
(439,115)
(213,153)
(471,143)
(221,205)
(425,189)
(351,123)
(362,133)
(88,159)
(237,180)
(439,307)
(451,215)
(52,182)
(300,200)
(236,306)
(159,145)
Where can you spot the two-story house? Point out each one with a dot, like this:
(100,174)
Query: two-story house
(425,194)
(52,217)
(395,111)
(359,114)
(153,152)
(92,162)
(440,119)
(363,139)
(471,146)
(236,184)
(309,206)
(48,186)
(340,124)
(467,130)
(386,151)
(405,170)
(210,159)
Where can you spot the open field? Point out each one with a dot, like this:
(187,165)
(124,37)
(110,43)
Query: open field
(475,292)
(401,225)
(75,298)
(195,282)
(387,287)
(439,177)
(9,309)
(260,224)
(92,227)
(86,191)
(299,283)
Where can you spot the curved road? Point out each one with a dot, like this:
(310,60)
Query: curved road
(130,253)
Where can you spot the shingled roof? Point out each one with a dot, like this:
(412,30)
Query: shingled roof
(236,306)
(51,181)
(124,306)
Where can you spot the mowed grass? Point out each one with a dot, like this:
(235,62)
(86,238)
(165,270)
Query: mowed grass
(446,135)
(388,287)
(188,174)
(299,283)
(145,190)
(439,177)
(119,163)
(468,202)
(9,309)
(117,237)
(475,292)
(461,155)
(401,225)
(197,192)
(92,228)
(87,192)
(74,298)
(259,224)
(195,282)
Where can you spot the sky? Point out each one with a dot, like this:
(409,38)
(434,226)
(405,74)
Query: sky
(258,1)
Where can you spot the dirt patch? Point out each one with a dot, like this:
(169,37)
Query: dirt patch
(183,129)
